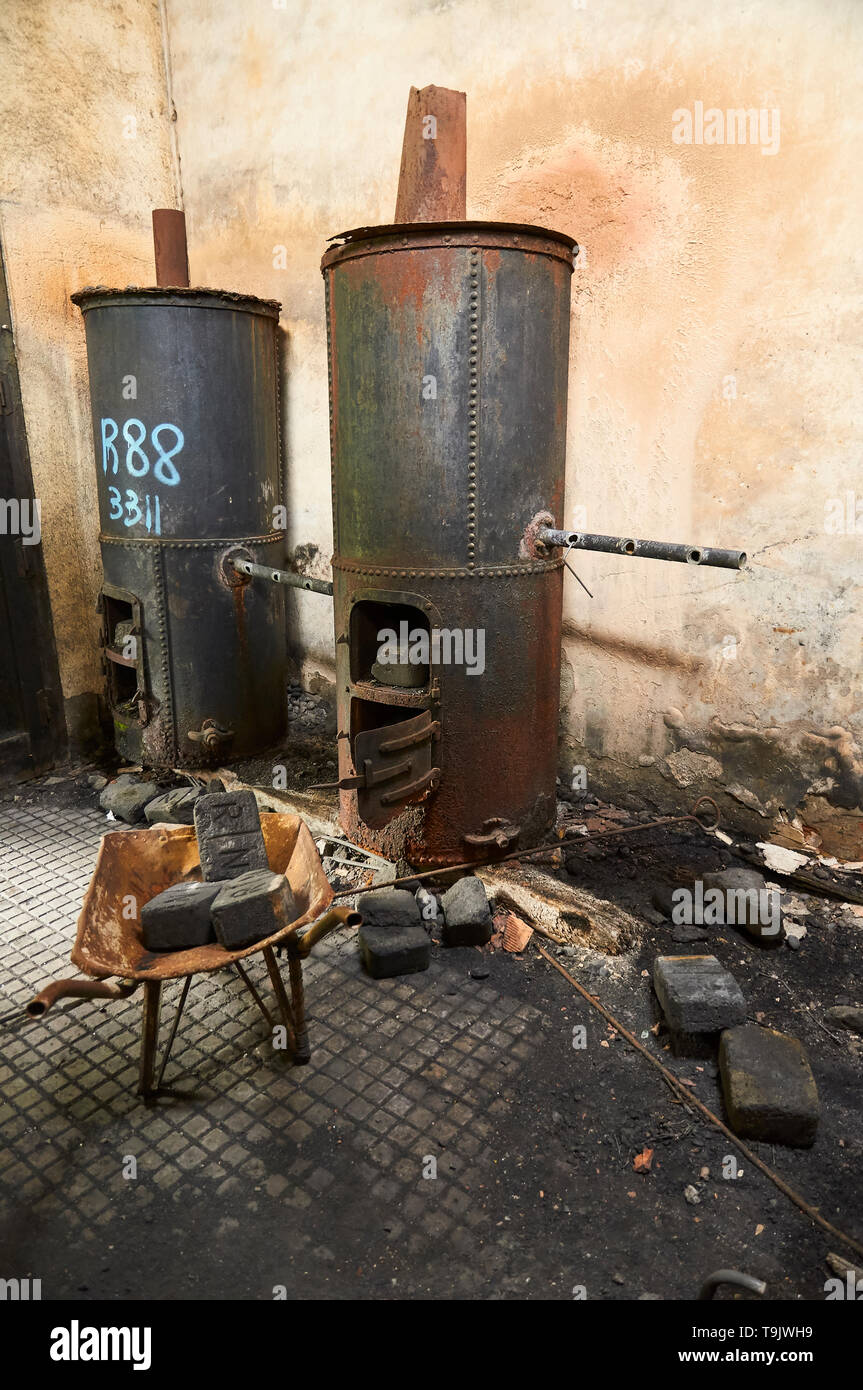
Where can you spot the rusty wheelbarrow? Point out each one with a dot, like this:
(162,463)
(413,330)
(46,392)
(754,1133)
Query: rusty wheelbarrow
(132,867)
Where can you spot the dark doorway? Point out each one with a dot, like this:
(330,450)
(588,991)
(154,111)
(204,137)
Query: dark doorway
(32,728)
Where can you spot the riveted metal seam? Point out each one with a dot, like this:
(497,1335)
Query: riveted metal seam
(477,572)
(219,543)
(167,702)
(330,349)
(283,481)
(474,314)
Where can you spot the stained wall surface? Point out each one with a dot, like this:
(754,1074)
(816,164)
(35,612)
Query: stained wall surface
(714,385)
(715,373)
(86,138)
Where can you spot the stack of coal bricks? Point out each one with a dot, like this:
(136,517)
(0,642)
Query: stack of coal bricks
(240,900)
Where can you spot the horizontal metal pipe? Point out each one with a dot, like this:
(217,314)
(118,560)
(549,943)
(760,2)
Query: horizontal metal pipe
(294,581)
(645,550)
(78,989)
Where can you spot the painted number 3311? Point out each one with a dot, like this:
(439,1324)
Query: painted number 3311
(135,509)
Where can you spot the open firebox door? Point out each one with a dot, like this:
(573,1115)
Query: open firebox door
(394,767)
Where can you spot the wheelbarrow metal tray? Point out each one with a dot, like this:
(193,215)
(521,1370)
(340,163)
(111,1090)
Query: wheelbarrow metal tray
(138,864)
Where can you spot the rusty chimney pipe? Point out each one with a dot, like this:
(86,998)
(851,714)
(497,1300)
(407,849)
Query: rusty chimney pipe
(433,176)
(169,246)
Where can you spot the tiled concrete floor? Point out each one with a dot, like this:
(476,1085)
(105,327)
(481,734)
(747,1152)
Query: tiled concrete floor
(399,1069)
(252,1176)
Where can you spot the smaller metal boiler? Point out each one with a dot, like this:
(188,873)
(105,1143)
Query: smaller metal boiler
(184,385)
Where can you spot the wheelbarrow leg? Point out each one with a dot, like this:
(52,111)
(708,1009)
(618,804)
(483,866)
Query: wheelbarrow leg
(150,1037)
(298,997)
(281,997)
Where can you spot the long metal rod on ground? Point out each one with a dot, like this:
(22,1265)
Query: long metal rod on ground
(683,1093)
(546,848)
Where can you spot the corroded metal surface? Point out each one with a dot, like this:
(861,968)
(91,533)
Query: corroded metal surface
(134,866)
(184,391)
(674,551)
(448,369)
(170,249)
(433,175)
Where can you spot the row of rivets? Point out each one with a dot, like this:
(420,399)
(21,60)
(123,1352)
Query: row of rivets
(475,572)
(472,407)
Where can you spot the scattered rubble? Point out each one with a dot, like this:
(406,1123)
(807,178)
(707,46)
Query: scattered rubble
(570,916)
(174,807)
(749,903)
(126,798)
(307,711)
(511,932)
(846,1017)
(430,910)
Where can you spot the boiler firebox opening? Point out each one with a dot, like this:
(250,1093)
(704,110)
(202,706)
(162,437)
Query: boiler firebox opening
(370,714)
(389,644)
(120,638)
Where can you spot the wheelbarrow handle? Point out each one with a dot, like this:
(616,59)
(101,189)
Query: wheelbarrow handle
(78,989)
(300,946)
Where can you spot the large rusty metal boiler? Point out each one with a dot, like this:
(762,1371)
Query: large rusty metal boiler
(185,403)
(448,352)
(448,358)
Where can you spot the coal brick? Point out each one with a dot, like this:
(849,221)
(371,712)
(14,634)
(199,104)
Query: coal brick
(230,841)
(768,1086)
(250,907)
(393,950)
(179,918)
(467,915)
(699,998)
(389,908)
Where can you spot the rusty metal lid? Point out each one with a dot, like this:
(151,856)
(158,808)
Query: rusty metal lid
(99,296)
(520,236)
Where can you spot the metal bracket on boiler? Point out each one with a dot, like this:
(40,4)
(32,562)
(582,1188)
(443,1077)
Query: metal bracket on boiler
(496,833)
